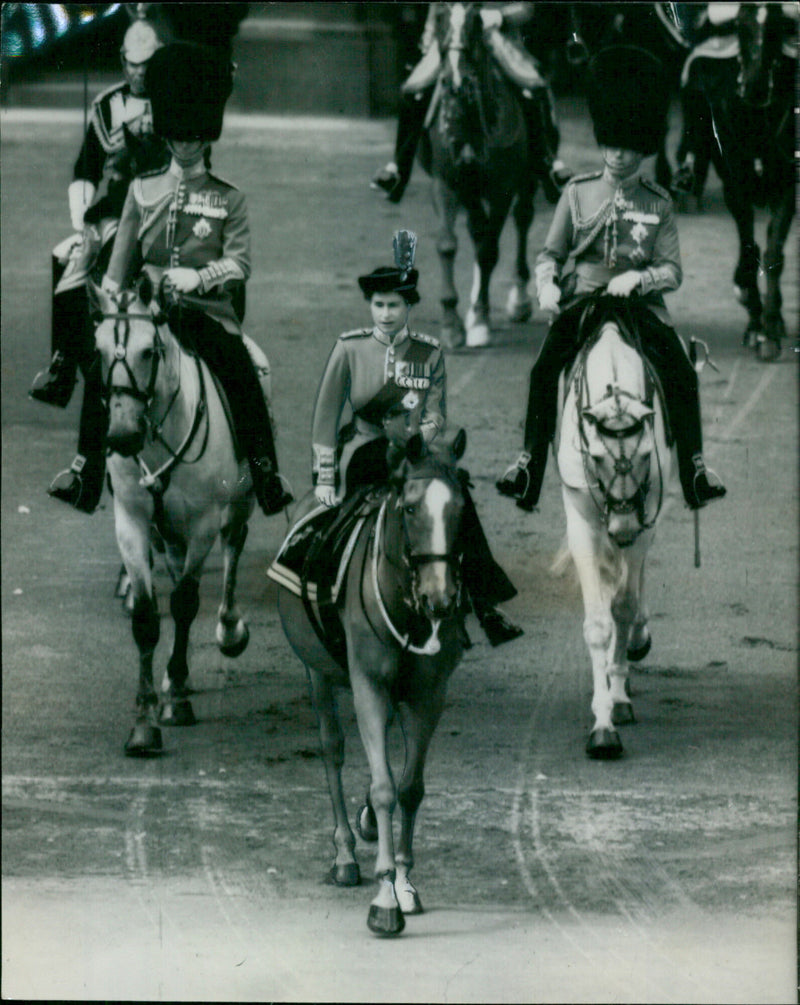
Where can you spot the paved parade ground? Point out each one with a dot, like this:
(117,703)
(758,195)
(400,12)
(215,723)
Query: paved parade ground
(667,876)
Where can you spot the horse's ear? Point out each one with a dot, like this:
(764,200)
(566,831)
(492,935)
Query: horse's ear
(415,448)
(99,303)
(144,288)
(459,444)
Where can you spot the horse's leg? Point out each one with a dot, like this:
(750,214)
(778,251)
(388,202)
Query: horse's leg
(745,277)
(184,603)
(586,545)
(519,306)
(446,207)
(232,632)
(639,640)
(782,212)
(372,705)
(419,718)
(627,610)
(345,871)
(484,229)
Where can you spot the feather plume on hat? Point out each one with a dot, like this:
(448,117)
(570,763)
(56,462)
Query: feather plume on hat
(404,243)
(401,277)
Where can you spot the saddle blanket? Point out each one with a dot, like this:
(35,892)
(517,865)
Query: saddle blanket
(313,559)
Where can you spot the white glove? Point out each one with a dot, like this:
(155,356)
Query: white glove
(109,285)
(326,494)
(79,194)
(184,280)
(491,18)
(624,284)
(549,298)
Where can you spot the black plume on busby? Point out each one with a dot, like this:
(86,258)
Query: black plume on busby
(188,85)
(628,98)
(402,277)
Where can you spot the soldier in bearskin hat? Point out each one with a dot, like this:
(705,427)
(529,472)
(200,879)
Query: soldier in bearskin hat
(618,228)
(119,143)
(189,230)
(393,378)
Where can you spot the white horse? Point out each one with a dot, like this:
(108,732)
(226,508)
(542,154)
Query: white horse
(614,462)
(174,468)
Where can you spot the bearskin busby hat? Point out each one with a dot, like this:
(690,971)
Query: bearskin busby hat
(140,42)
(401,278)
(628,98)
(188,85)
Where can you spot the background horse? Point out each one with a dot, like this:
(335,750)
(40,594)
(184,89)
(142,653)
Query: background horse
(403,570)
(614,464)
(174,468)
(475,148)
(750,109)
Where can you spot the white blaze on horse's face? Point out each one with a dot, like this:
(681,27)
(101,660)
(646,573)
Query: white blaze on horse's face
(428,511)
(457,44)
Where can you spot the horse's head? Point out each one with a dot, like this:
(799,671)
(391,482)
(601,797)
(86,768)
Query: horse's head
(424,513)
(459,36)
(761,29)
(616,428)
(130,339)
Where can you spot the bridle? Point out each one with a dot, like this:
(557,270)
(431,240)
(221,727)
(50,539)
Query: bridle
(605,500)
(409,563)
(122,329)
(758,40)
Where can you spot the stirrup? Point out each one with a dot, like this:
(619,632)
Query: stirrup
(511,476)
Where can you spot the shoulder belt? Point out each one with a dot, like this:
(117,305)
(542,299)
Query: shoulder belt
(648,183)
(222,181)
(391,394)
(356,333)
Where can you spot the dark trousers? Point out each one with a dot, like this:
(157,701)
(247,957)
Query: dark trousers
(228,358)
(485,581)
(662,347)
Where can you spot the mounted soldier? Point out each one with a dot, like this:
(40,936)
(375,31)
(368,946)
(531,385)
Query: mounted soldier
(119,144)
(614,229)
(502,23)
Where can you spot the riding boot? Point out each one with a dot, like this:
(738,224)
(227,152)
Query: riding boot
(485,581)
(394,177)
(679,381)
(69,331)
(81,485)
(228,357)
(523,479)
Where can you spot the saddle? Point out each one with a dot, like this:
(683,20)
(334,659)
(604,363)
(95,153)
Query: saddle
(314,558)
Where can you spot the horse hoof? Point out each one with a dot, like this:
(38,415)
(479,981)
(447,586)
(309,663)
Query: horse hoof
(344,875)
(409,901)
(452,338)
(767,349)
(521,314)
(622,714)
(366,823)
(385,921)
(237,648)
(604,745)
(144,741)
(177,713)
(636,653)
(477,336)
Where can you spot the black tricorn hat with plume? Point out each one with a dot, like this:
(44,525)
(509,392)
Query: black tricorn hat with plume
(401,277)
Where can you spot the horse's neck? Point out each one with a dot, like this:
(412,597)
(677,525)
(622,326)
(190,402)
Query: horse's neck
(179,397)
(611,362)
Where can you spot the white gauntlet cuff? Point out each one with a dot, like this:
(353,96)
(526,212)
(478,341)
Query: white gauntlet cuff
(545,273)
(324,464)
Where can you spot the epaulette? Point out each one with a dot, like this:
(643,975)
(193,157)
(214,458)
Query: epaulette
(356,333)
(100,98)
(429,339)
(655,187)
(589,176)
(222,181)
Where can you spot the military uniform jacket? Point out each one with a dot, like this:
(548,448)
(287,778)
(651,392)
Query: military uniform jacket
(602,228)
(379,380)
(118,144)
(190,219)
